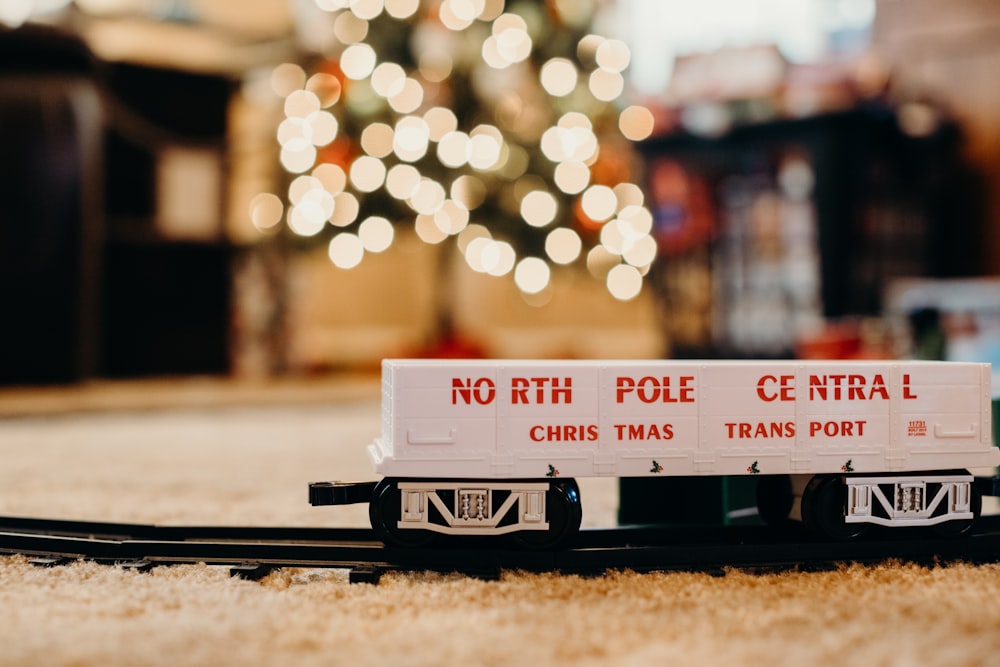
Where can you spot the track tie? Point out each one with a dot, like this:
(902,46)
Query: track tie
(139,565)
(250,571)
(50,561)
(365,574)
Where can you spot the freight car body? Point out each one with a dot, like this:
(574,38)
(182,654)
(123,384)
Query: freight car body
(492,447)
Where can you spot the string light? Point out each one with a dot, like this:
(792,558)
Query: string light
(558,77)
(572,176)
(636,123)
(376,234)
(469,190)
(300,186)
(539,208)
(630,194)
(563,245)
(345,209)
(599,202)
(440,121)
(427,197)
(358,61)
(266,210)
(469,234)
(326,88)
(287,78)
(452,217)
(612,55)
(331,176)
(409,98)
(408,137)
(401,9)
(532,275)
(346,250)
(367,173)
(388,79)
(366,9)
(402,181)
(427,229)
(624,282)
(377,140)
(350,28)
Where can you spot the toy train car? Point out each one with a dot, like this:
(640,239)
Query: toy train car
(492,447)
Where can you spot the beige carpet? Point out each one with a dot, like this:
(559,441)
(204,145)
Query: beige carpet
(224,456)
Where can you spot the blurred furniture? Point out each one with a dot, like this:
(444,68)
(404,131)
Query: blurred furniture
(50,209)
(789,222)
(167,276)
(113,260)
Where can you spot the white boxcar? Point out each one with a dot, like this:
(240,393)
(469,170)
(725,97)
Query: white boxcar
(536,419)
(492,447)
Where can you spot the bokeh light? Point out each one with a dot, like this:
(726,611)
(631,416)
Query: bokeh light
(427,197)
(624,282)
(440,121)
(401,9)
(366,9)
(377,140)
(612,55)
(402,181)
(346,250)
(539,208)
(606,85)
(532,275)
(558,77)
(427,230)
(298,156)
(350,28)
(563,245)
(323,127)
(266,210)
(468,189)
(453,149)
(411,138)
(388,79)
(367,173)
(376,234)
(326,88)
(572,176)
(331,176)
(358,61)
(381,136)
(452,217)
(345,209)
(409,98)
(636,123)
(599,202)
(287,78)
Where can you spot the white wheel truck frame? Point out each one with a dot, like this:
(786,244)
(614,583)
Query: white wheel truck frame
(473,510)
(910,500)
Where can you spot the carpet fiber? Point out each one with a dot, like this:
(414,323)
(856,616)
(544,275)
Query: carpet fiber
(217,463)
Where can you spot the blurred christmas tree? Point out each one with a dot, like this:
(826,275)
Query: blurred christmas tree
(497,128)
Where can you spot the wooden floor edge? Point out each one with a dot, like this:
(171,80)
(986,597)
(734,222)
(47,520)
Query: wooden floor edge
(182,393)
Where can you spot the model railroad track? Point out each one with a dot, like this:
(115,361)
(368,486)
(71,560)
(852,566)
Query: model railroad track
(253,552)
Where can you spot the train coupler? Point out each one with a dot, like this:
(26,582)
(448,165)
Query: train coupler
(340,493)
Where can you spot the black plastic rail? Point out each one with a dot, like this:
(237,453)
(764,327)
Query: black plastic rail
(253,551)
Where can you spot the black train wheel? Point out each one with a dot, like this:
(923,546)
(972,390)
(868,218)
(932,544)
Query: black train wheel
(775,499)
(384,512)
(824,505)
(563,512)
